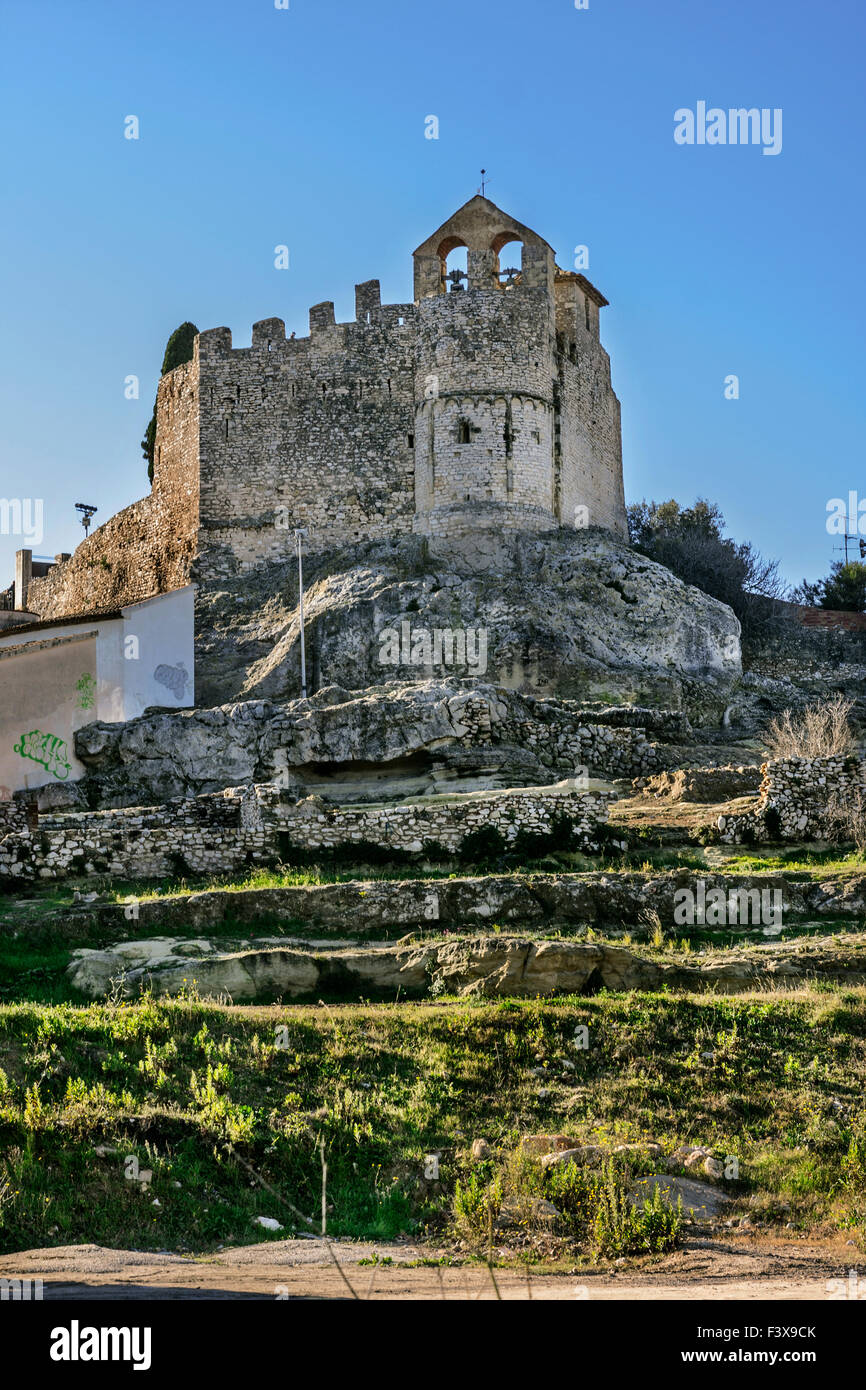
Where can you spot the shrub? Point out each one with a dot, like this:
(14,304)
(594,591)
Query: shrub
(532,844)
(845,819)
(484,843)
(477,1204)
(574,1191)
(624,1228)
(819,731)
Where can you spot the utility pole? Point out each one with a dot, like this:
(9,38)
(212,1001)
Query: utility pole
(300,532)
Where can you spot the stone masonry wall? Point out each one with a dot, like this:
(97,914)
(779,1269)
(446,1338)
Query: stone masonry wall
(201,836)
(314,432)
(222,833)
(147,548)
(797,800)
(312,824)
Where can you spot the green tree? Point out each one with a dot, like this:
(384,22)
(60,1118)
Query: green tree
(691,542)
(844,589)
(178,349)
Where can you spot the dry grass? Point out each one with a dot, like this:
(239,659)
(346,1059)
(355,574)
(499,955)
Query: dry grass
(846,819)
(819,731)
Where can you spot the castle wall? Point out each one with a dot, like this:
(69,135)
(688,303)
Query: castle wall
(314,432)
(590,443)
(148,547)
(589,435)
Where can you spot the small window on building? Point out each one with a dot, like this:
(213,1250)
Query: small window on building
(411,440)
(464,432)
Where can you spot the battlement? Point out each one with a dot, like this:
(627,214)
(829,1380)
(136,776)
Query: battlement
(269,335)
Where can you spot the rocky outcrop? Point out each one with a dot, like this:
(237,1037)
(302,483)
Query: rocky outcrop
(396,739)
(483,966)
(575,613)
(536,902)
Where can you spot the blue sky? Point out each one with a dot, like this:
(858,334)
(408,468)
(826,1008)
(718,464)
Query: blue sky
(305,127)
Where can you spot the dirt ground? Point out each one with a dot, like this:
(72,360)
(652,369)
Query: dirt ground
(736,1266)
(676,818)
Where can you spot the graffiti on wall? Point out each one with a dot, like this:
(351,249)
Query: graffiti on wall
(86,687)
(174,678)
(47,749)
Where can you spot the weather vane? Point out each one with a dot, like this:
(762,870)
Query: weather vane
(484,182)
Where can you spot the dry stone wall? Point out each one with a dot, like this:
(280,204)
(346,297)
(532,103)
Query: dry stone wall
(201,836)
(312,824)
(222,833)
(799,800)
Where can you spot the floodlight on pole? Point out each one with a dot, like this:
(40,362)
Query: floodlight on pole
(300,532)
(87,512)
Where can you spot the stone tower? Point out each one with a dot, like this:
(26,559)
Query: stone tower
(516,422)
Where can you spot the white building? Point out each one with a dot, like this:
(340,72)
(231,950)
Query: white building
(57,675)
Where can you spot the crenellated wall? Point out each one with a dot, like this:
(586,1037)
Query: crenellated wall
(313,432)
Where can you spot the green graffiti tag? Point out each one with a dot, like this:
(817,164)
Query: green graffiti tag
(86,687)
(47,749)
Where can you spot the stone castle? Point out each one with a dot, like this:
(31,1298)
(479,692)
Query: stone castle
(486,403)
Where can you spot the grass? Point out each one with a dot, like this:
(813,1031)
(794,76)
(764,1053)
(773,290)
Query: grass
(228,1112)
(827,862)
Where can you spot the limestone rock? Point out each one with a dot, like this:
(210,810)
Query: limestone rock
(483,966)
(572,612)
(699,1199)
(587,1155)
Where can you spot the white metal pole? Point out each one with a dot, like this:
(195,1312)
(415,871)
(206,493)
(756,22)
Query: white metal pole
(300,538)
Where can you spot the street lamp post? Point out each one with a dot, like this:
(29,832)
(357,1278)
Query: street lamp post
(300,532)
